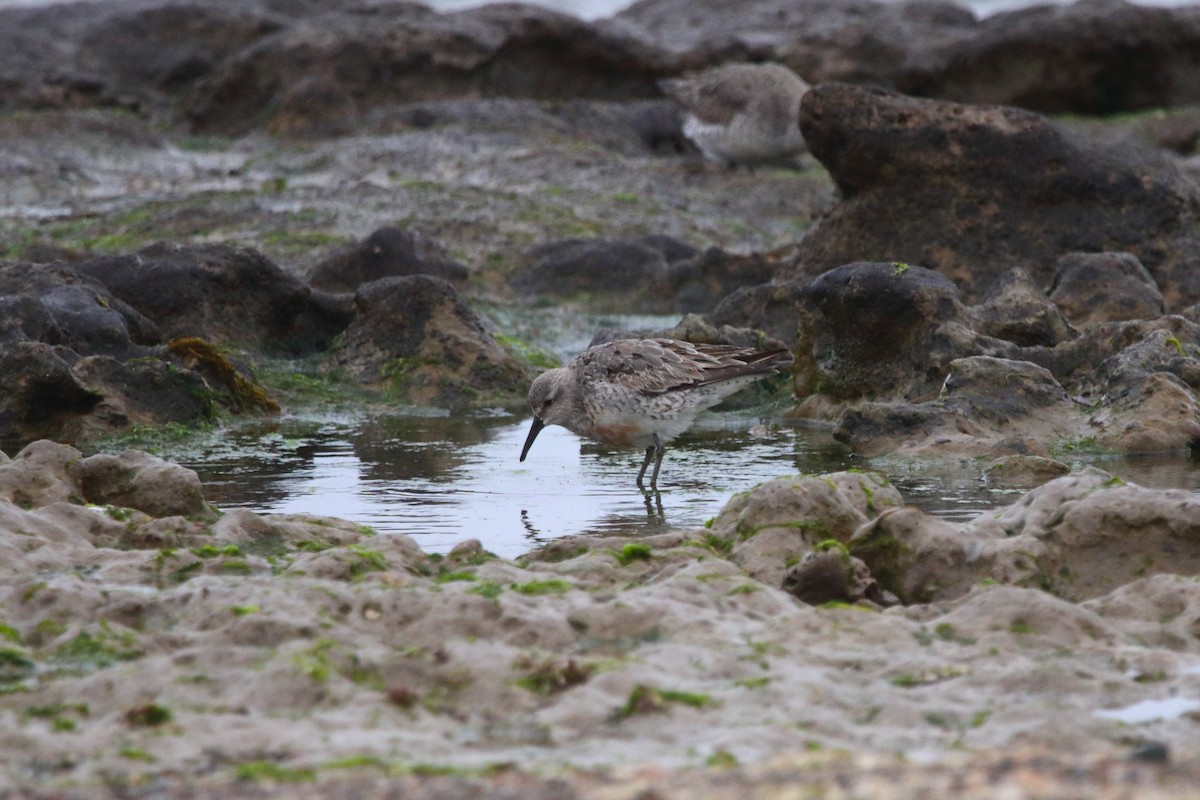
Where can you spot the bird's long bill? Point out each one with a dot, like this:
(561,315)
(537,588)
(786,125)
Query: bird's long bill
(534,430)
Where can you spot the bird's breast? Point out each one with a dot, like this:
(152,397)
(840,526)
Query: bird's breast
(619,434)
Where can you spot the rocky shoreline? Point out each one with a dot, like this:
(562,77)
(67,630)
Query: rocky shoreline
(149,638)
(222,210)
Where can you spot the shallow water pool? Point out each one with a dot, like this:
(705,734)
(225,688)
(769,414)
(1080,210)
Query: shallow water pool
(445,479)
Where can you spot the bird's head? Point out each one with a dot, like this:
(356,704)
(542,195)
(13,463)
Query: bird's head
(548,398)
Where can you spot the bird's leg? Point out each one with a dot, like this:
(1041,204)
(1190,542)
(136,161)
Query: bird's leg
(658,452)
(646,463)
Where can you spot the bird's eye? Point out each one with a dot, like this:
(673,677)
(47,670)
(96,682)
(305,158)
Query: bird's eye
(547,403)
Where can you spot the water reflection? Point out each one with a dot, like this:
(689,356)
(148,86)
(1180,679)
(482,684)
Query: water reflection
(445,479)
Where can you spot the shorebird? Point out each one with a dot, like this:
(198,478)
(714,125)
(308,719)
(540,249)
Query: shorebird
(643,392)
(742,114)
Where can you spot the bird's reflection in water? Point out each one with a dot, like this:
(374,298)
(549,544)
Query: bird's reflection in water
(613,524)
(654,509)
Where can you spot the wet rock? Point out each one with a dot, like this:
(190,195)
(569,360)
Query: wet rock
(143,481)
(413,336)
(1017,310)
(223,294)
(1105,287)
(498,50)
(872,329)
(973,191)
(786,518)
(1027,470)
(1169,346)
(388,252)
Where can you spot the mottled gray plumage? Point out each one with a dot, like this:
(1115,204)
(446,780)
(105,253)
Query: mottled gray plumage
(742,114)
(643,392)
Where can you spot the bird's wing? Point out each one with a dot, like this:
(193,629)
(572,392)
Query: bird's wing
(655,366)
(714,97)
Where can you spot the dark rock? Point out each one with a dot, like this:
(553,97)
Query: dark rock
(1071,362)
(1174,129)
(404,52)
(822,40)
(695,328)
(1178,274)
(76,310)
(873,428)
(631,272)
(975,191)
(1000,391)
(385,253)
(1085,58)
(414,337)
(769,307)
(313,107)
(142,392)
(127,54)
(1097,57)
(139,480)
(1129,386)
(231,382)
(876,330)
(831,574)
(1147,391)
(1016,310)
(1151,753)
(223,294)
(982,402)
(47,253)
(698,283)
(40,396)
(171,45)
(1105,287)
(24,318)
(632,128)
